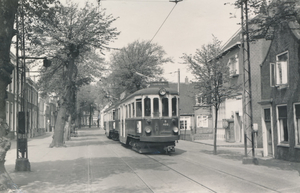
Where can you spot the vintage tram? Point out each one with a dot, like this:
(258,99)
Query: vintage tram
(146,120)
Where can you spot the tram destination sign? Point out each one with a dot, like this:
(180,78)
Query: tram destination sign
(159,84)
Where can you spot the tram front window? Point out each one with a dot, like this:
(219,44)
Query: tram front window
(147,107)
(156,107)
(165,107)
(174,106)
(138,107)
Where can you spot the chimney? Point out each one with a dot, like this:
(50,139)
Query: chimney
(186,81)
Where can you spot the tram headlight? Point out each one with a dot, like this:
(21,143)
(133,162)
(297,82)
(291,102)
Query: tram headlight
(175,129)
(148,129)
(162,92)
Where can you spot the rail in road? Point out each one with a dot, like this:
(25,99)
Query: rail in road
(92,163)
(206,177)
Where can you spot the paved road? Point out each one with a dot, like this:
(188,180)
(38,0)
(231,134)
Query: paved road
(93,163)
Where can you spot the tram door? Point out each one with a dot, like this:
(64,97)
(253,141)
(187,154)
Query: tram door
(123,120)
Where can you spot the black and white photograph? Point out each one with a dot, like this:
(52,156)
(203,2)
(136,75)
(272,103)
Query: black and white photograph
(150,96)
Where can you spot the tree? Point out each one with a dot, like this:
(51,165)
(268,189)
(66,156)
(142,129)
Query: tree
(212,77)
(70,35)
(8,10)
(142,57)
(270,17)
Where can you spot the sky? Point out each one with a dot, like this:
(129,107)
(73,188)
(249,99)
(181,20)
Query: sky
(191,24)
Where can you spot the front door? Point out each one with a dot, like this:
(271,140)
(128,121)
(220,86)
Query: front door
(268,126)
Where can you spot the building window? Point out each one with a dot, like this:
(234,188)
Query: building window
(202,121)
(297,122)
(279,71)
(7,112)
(282,124)
(183,124)
(233,65)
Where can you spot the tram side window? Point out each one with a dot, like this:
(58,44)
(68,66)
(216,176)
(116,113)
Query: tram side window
(133,111)
(129,107)
(138,107)
(174,106)
(114,115)
(165,107)
(156,107)
(147,106)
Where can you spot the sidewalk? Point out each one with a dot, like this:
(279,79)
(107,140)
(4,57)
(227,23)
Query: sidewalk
(237,151)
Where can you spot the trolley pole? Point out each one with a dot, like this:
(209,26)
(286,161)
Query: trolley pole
(247,95)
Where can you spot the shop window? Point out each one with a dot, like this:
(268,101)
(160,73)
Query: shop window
(147,107)
(165,107)
(282,124)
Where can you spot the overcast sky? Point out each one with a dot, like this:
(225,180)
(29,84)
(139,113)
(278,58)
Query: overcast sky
(190,25)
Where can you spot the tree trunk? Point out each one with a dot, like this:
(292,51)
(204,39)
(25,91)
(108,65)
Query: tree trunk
(58,138)
(8,9)
(215,131)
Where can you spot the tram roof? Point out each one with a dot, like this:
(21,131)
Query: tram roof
(151,91)
(145,91)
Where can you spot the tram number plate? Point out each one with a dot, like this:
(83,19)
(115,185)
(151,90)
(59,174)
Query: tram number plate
(165,123)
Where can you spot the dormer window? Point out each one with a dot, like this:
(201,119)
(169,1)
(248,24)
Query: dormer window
(233,65)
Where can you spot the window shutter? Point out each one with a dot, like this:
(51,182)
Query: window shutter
(272,74)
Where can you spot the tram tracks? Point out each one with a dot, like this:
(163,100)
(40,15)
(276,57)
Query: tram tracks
(197,163)
(142,180)
(193,163)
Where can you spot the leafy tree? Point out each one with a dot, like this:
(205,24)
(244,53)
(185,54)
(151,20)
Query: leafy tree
(8,10)
(270,17)
(73,37)
(142,57)
(212,77)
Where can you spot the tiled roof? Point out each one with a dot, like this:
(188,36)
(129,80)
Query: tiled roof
(232,42)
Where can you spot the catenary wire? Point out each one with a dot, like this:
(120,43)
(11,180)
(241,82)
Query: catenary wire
(163,23)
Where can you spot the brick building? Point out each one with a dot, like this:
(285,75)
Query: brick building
(280,100)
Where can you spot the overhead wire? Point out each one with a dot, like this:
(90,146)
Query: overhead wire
(163,22)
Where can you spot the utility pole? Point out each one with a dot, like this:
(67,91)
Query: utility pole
(22,162)
(247,95)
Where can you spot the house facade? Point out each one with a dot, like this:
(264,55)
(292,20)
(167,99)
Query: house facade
(280,100)
(230,113)
(187,116)
(35,109)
